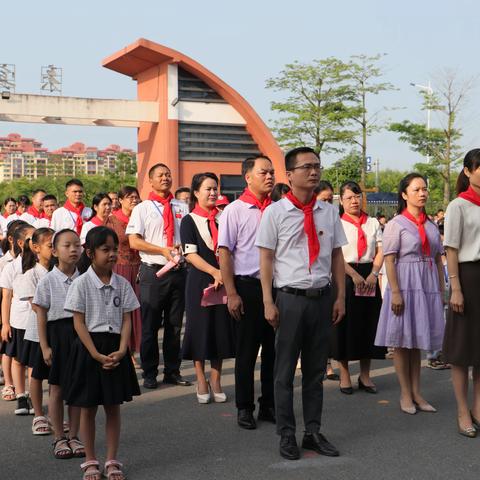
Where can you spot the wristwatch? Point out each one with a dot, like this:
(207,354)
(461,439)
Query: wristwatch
(375,274)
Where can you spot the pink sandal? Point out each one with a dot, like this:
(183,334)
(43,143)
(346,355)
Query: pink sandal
(93,473)
(116,471)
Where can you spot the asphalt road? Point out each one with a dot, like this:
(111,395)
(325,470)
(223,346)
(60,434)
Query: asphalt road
(166,434)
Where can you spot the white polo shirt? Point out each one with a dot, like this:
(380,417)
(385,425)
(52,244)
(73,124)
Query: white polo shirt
(147,221)
(3,225)
(103,305)
(43,223)
(26,292)
(63,218)
(373,234)
(282,230)
(51,292)
(28,217)
(11,279)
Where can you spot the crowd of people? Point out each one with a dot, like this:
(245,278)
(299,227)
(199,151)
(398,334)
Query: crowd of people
(281,269)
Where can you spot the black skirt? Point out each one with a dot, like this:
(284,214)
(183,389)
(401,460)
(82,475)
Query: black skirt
(60,336)
(30,351)
(89,385)
(462,332)
(14,347)
(353,338)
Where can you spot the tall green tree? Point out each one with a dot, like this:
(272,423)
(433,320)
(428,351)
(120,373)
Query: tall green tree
(317,108)
(347,168)
(364,77)
(441,143)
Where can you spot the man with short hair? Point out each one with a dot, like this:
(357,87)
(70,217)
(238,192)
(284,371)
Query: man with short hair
(113,196)
(35,210)
(240,267)
(300,240)
(183,194)
(50,204)
(74,212)
(154,230)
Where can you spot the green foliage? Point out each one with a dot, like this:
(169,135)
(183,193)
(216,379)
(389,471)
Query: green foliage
(318,106)
(388,180)
(348,168)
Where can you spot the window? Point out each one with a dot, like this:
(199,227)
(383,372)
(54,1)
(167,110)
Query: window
(232,186)
(215,142)
(193,89)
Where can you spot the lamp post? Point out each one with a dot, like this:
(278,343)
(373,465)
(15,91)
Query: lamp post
(429,90)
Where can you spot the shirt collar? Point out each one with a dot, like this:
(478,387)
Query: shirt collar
(98,283)
(290,206)
(63,277)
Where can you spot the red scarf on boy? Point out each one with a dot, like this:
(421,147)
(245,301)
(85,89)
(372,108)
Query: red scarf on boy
(78,210)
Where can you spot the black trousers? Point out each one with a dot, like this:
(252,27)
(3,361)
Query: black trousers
(305,326)
(251,332)
(165,294)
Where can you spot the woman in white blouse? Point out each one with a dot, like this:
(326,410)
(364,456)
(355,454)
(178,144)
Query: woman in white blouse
(353,338)
(101,210)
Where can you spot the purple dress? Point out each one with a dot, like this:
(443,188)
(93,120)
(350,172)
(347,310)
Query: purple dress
(421,324)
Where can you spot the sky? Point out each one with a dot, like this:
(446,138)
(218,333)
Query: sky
(244,43)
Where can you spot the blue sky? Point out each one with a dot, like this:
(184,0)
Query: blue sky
(244,43)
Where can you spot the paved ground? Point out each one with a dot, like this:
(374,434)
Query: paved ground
(168,435)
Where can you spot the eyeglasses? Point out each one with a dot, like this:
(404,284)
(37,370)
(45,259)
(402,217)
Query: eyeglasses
(350,198)
(308,167)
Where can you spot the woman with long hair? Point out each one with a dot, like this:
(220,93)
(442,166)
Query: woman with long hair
(101,210)
(462,331)
(411,318)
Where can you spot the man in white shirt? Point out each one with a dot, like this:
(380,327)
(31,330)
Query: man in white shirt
(154,230)
(35,210)
(300,242)
(73,213)
(49,206)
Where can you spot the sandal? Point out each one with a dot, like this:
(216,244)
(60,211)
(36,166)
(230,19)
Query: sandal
(115,472)
(61,449)
(41,426)
(90,473)
(77,447)
(8,393)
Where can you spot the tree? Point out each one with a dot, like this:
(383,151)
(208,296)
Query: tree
(318,108)
(125,164)
(348,168)
(364,73)
(441,144)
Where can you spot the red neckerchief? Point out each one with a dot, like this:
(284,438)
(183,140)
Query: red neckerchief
(168,223)
(78,211)
(5,215)
(96,221)
(420,223)
(248,197)
(361,237)
(18,213)
(308,225)
(35,213)
(121,216)
(211,215)
(471,195)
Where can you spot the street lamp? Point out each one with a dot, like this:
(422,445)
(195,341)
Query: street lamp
(426,88)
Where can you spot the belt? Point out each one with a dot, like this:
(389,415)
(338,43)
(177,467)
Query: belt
(153,265)
(247,278)
(309,292)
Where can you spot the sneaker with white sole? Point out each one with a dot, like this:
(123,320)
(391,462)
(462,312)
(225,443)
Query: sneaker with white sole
(23,408)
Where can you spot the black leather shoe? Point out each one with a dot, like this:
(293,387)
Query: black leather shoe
(318,443)
(266,414)
(176,379)
(289,448)
(245,419)
(347,390)
(366,388)
(150,382)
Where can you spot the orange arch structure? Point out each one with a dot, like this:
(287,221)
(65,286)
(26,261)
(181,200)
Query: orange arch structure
(189,127)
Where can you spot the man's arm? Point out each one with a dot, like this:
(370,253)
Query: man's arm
(266,277)
(234,301)
(137,242)
(338,278)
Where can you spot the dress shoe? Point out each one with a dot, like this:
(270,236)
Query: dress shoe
(203,398)
(288,447)
(332,376)
(217,397)
(245,419)
(150,382)
(469,432)
(475,422)
(425,407)
(266,414)
(318,443)
(176,379)
(408,410)
(366,388)
(347,390)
